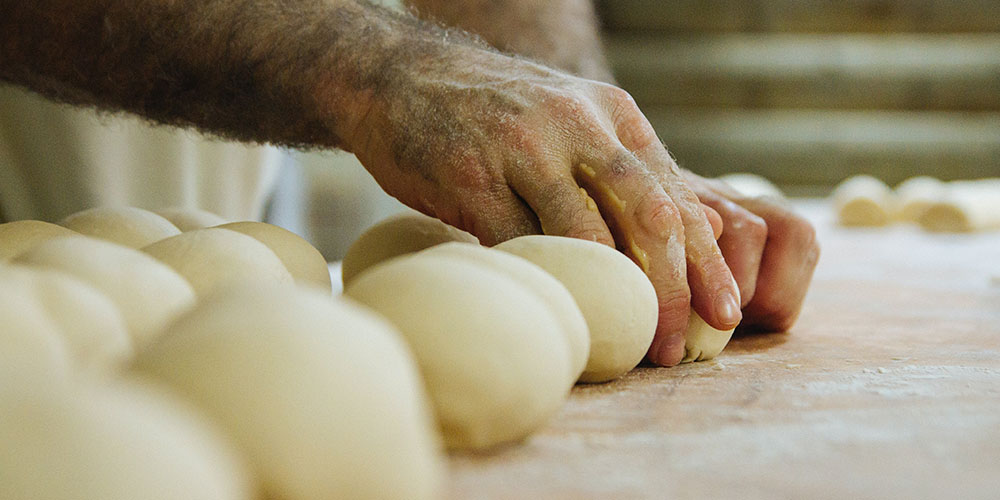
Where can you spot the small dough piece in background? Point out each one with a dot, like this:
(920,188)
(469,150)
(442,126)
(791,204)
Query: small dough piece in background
(320,394)
(703,342)
(863,200)
(549,290)
(213,258)
(916,194)
(128,226)
(303,261)
(398,235)
(968,206)
(23,235)
(187,219)
(123,441)
(148,292)
(615,296)
(493,355)
(89,322)
(752,185)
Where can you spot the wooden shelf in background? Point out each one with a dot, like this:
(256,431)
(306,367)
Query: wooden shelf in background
(933,72)
(822,147)
(801,16)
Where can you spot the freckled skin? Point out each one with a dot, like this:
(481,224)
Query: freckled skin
(447,123)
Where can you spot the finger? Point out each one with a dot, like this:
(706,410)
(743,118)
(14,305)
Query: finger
(742,244)
(493,215)
(714,292)
(786,267)
(563,208)
(647,227)
(715,220)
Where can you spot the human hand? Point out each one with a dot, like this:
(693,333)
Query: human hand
(771,251)
(503,147)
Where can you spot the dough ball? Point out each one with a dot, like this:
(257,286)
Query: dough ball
(863,200)
(303,261)
(126,226)
(916,194)
(187,219)
(89,322)
(214,258)
(398,235)
(120,442)
(967,206)
(752,185)
(549,290)
(703,342)
(19,236)
(616,298)
(31,347)
(493,355)
(148,293)
(320,394)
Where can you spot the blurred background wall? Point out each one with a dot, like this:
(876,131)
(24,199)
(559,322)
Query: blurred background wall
(809,92)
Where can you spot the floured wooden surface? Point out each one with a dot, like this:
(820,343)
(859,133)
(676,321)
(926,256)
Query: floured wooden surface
(888,386)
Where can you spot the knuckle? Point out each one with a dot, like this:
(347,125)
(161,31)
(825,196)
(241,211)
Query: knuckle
(658,211)
(674,304)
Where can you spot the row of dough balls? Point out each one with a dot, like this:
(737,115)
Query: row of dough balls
(199,367)
(958,206)
(502,334)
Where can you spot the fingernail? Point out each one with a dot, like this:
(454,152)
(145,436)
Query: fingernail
(727,309)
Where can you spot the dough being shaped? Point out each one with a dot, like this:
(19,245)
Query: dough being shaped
(31,347)
(398,235)
(127,226)
(493,356)
(303,261)
(916,194)
(214,258)
(752,185)
(703,342)
(23,235)
(89,322)
(119,442)
(148,293)
(187,219)
(616,298)
(863,200)
(320,394)
(967,206)
(548,289)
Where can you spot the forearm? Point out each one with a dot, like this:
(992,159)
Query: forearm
(560,33)
(293,72)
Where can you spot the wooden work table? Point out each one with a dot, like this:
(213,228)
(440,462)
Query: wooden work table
(887,387)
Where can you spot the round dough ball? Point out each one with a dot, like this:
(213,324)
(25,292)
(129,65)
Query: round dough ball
(967,206)
(703,342)
(549,290)
(148,293)
(917,194)
(126,226)
(303,261)
(320,394)
(20,236)
(616,298)
(215,258)
(398,235)
(31,347)
(121,442)
(89,322)
(863,200)
(187,219)
(493,356)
